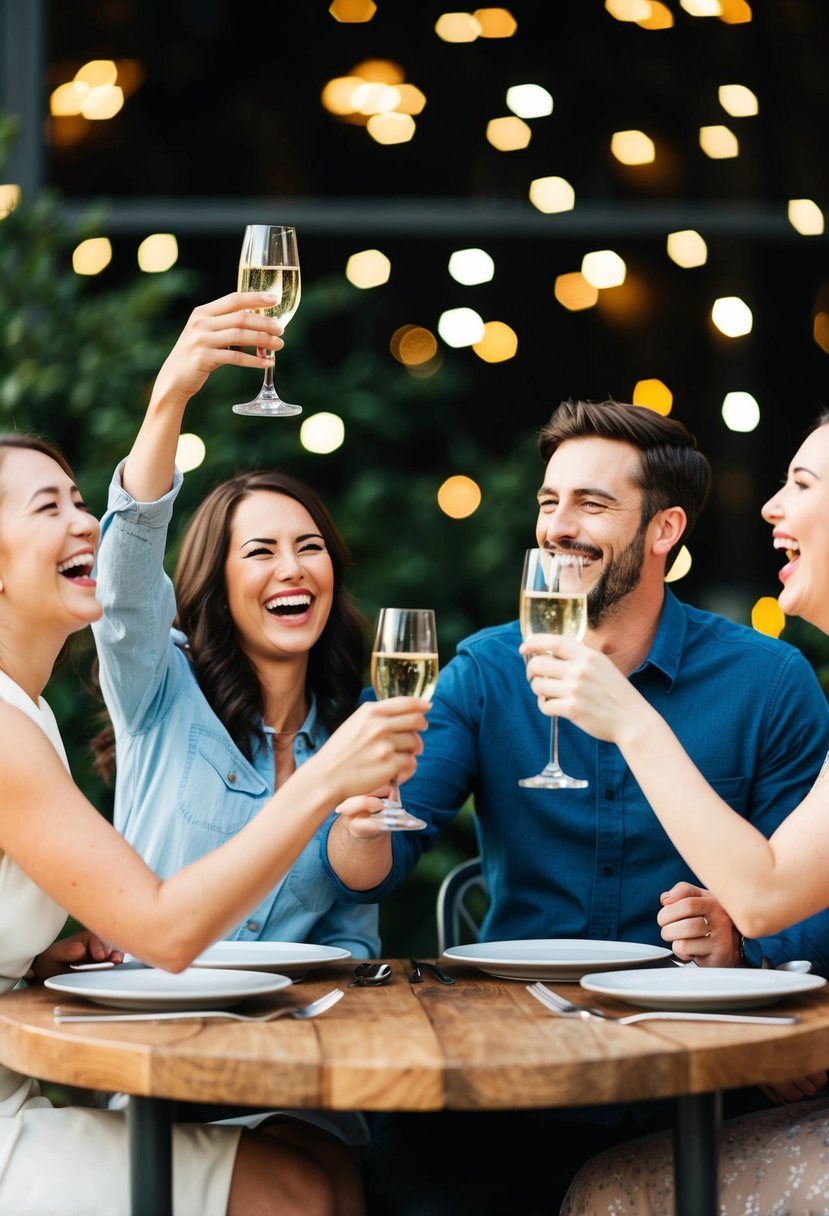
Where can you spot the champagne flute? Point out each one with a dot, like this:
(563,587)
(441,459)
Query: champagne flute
(269,262)
(553,600)
(404,663)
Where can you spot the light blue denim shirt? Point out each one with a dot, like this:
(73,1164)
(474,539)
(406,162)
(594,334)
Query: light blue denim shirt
(183,786)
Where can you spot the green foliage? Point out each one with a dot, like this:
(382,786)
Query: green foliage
(77,359)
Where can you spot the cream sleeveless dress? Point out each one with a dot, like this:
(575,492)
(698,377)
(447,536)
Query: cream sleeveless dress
(74,1161)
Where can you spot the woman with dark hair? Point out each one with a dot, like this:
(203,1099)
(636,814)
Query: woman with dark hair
(58,855)
(219,691)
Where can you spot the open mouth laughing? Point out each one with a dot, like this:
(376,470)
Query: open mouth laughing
(290,604)
(78,566)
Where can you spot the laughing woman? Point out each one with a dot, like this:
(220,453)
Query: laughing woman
(59,855)
(775,1161)
(220,689)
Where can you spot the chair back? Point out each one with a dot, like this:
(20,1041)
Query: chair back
(461,904)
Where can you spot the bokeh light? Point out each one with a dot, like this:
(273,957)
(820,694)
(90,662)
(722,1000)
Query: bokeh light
(461,327)
(495,22)
(740,412)
(413,345)
(370,268)
(820,330)
(805,216)
(92,256)
(508,134)
(732,316)
(701,8)
(735,12)
(529,101)
(498,344)
(9,199)
(391,128)
(458,27)
(738,100)
(471,266)
(322,433)
(680,566)
(574,292)
(552,194)
(768,617)
(659,18)
(97,73)
(459,497)
(158,252)
(718,142)
(352,11)
(190,451)
(687,248)
(603,268)
(653,395)
(628,10)
(633,147)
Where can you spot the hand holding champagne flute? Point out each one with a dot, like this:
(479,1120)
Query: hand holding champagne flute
(553,600)
(269,261)
(404,663)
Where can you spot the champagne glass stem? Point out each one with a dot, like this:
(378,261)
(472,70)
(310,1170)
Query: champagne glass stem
(267,383)
(393,799)
(554,743)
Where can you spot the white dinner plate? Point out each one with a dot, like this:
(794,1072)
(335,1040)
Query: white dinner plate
(563,958)
(269,956)
(701,987)
(149,988)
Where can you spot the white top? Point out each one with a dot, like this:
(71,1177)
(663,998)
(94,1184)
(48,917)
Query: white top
(29,920)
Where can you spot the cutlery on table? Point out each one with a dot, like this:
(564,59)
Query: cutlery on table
(566,1009)
(417,972)
(295,1011)
(369,975)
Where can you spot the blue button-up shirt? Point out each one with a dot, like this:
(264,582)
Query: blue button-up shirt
(592,863)
(183,786)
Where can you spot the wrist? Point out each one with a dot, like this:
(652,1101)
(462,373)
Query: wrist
(747,950)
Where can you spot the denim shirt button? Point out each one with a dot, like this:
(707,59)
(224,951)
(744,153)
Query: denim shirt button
(252,926)
(231,778)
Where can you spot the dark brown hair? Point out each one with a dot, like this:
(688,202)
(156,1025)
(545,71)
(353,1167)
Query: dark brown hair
(34,443)
(672,472)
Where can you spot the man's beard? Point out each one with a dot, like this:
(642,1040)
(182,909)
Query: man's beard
(619,577)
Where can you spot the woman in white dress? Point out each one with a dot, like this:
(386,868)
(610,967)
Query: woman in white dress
(58,855)
(775,1162)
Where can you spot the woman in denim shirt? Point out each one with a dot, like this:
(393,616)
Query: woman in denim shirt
(218,692)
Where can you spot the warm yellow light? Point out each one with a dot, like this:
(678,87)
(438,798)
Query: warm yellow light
(391,128)
(821,331)
(158,252)
(574,292)
(633,147)
(92,256)
(735,12)
(628,306)
(190,452)
(412,100)
(458,27)
(552,194)
(732,316)
(97,73)
(629,10)
(370,268)
(352,11)
(768,617)
(322,433)
(702,8)
(413,345)
(740,412)
(498,344)
(66,100)
(370,98)
(681,565)
(9,199)
(603,268)
(718,142)
(805,217)
(508,134)
(102,102)
(459,497)
(495,22)
(660,18)
(380,71)
(529,101)
(687,248)
(738,101)
(461,327)
(471,266)
(338,93)
(653,395)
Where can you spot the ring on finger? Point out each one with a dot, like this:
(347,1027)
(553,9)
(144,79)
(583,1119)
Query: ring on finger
(707,926)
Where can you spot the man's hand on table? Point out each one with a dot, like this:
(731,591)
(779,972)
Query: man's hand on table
(697,927)
(83,947)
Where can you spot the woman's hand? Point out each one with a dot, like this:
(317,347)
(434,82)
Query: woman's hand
(573,681)
(697,927)
(209,340)
(83,947)
(378,742)
(360,815)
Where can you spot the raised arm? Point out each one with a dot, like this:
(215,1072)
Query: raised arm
(65,846)
(764,885)
(208,341)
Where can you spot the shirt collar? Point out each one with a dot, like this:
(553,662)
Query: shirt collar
(311,728)
(666,650)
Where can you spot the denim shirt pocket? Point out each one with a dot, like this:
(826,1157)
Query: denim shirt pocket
(219,790)
(307,881)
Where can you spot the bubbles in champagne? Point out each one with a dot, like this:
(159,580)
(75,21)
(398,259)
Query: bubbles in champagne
(403,674)
(281,281)
(544,612)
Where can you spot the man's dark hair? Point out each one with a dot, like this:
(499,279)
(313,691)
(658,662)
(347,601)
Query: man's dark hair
(672,472)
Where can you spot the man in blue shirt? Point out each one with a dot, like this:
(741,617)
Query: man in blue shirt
(622,488)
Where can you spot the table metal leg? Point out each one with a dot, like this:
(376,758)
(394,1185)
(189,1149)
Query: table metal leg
(150,1124)
(696,1154)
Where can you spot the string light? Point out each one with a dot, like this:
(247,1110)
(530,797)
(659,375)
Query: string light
(322,433)
(732,316)
(738,101)
(461,327)
(92,256)
(370,268)
(603,268)
(687,248)
(529,101)
(158,252)
(805,217)
(768,617)
(498,344)
(552,195)
(459,497)
(471,266)
(190,452)
(740,412)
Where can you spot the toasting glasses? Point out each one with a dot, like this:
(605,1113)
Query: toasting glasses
(269,262)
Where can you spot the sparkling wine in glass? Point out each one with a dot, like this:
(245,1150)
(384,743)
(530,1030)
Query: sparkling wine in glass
(553,600)
(404,663)
(269,262)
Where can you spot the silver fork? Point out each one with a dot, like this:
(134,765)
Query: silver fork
(295,1011)
(566,1009)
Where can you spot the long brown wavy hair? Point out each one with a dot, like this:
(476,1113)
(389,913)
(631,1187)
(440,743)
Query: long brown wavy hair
(224,673)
